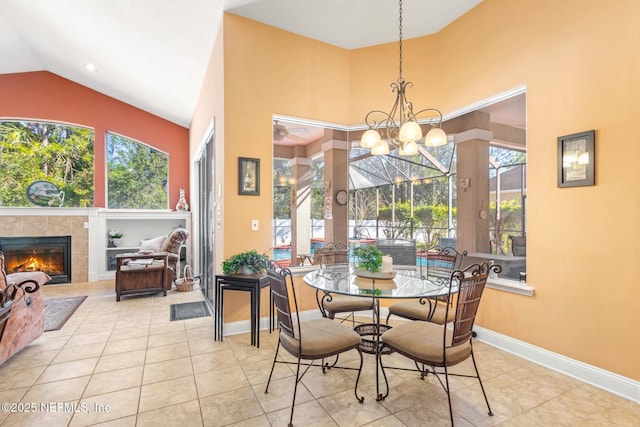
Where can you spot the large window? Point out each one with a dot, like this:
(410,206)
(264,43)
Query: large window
(136,175)
(283,189)
(45,164)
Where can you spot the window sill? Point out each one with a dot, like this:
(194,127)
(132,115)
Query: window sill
(512,286)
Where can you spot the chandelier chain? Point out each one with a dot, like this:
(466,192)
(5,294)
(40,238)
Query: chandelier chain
(400,28)
(400,126)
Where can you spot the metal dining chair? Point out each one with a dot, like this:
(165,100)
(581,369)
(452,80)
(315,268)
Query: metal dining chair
(332,304)
(435,348)
(312,340)
(440,263)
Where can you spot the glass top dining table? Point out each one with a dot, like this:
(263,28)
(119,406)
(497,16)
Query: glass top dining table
(407,283)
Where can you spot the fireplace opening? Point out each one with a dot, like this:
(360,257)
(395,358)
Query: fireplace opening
(50,254)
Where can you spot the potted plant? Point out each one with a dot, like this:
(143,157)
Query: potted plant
(115,238)
(248,262)
(368,257)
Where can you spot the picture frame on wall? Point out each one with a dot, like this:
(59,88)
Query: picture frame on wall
(576,159)
(248,176)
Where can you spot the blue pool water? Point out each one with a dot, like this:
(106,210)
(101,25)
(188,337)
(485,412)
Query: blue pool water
(279,254)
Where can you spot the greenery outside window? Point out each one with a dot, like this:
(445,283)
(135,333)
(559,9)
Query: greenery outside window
(59,154)
(136,175)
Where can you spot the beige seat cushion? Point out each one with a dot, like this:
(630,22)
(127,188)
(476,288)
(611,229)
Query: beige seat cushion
(412,309)
(344,303)
(321,338)
(423,342)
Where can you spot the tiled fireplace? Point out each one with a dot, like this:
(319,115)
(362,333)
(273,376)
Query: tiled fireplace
(50,254)
(51,222)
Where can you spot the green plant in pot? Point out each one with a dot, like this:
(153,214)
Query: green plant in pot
(248,262)
(368,257)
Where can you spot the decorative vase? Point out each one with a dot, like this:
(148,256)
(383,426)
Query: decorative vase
(182,205)
(116,241)
(247,270)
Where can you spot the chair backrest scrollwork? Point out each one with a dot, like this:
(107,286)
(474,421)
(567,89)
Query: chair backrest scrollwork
(441,262)
(469,284)
(331,253)
(278,279)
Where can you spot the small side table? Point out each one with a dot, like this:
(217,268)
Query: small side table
(240,282)
(136,278)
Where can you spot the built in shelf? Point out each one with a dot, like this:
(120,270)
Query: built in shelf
(135,225)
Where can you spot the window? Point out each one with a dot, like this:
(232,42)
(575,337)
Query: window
(45,164)
(507,195)
(136,175)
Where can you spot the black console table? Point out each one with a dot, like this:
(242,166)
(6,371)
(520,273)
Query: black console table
(240,282)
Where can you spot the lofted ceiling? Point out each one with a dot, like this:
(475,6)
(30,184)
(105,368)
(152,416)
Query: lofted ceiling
(153,54)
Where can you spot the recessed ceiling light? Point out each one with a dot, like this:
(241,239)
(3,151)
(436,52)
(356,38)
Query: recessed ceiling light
(91,67)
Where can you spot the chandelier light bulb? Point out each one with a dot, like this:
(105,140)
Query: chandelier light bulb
(381,148)
(435,137)
(370,138)
(409,149)
(409,132)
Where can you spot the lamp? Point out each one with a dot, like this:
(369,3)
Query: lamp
(400,126)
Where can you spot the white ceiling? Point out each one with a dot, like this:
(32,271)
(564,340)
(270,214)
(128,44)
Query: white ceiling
(153,54)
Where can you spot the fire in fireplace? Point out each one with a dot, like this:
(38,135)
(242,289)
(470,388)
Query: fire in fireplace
(50,254)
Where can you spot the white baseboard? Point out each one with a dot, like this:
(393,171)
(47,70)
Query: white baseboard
(609,381)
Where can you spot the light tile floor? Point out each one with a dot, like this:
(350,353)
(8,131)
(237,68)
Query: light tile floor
(125,364)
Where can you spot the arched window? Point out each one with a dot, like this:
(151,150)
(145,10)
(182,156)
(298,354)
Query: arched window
(45,164)
(136,175)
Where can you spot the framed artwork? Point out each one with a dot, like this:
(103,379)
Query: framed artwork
(248,176)
(576,159)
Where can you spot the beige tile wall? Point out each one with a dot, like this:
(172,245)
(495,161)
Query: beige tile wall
(18,226)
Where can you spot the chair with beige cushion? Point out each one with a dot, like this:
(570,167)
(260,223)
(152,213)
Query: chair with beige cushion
(332,304)
(171,243)
(440,263)
(312,340)
(435,348)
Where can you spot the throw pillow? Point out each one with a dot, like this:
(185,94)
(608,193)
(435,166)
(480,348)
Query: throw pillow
(152,245)
(174,240)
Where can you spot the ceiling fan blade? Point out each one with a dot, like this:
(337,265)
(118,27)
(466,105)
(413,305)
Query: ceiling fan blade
(297,130)
(296,138)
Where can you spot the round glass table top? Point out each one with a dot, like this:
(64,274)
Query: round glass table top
(407,283)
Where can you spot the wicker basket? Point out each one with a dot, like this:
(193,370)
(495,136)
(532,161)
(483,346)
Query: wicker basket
(368,332)
(185,284)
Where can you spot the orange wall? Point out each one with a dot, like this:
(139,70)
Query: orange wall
(45,96)
(580,63)
(268,71)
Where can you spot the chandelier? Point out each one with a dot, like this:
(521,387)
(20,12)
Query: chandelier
(400,126)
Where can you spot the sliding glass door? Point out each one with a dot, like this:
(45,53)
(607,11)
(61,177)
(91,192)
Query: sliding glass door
(206,194)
